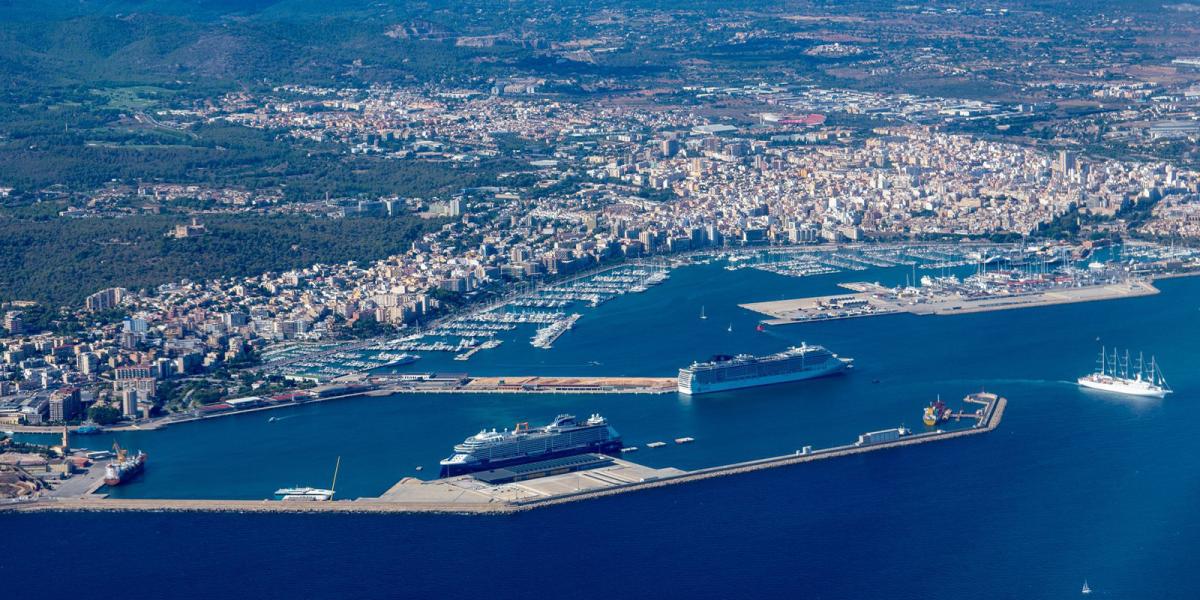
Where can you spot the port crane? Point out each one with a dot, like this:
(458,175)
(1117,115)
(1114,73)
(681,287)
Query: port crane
(333,485)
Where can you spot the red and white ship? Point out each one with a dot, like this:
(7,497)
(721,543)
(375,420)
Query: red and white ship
(124,467)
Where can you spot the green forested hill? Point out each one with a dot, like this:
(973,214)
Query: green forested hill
(61,261)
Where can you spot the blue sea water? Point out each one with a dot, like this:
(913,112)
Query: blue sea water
(1073,484)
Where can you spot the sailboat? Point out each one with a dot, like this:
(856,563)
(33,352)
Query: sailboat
(1086,590)
(702,315)
(730,328)
(1114,375)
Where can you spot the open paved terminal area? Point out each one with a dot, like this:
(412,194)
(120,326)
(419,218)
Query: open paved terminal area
(871,299)
(472,489)
(528,486)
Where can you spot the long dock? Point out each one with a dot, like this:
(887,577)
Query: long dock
(869,299)
(994,412)
(469,495)
(389,385)
(566,385)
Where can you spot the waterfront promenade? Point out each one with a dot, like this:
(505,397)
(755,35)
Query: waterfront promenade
(383,385)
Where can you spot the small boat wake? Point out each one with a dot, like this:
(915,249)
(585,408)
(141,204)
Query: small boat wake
(273,419)
(775,334)
(1000,382)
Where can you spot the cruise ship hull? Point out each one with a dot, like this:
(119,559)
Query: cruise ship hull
(693,388)
(611,447)
(1128,389)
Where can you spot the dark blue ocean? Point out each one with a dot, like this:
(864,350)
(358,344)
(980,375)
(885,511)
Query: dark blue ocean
(1074,485)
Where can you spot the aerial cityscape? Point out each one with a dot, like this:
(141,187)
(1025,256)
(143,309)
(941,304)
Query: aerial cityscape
(806,298)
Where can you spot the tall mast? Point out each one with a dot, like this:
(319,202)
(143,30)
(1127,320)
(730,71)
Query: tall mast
(336,466)
(1156,373)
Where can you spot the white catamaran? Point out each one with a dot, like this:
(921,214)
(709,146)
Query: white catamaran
(1115,375)
(311,494)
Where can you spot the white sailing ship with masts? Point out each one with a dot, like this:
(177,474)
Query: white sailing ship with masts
(1120,375)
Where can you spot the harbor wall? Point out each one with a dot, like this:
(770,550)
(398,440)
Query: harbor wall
(992,416)
(991,421)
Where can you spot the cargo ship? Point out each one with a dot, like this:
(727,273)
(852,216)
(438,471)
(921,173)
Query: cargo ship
(124,467)
(936,412)
(725,372)
(563,437)
(882,437)
(1114,375)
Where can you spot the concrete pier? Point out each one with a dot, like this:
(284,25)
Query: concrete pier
(869,299)
(468,495)
(385,385)
(606,385)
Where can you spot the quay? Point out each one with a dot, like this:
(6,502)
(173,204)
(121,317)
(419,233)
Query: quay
(388,385)
(871,299)
(511,490)
(382,385)
(571,385)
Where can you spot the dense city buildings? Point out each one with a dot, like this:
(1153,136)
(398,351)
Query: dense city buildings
(609,183)
(846,131)
(274,257)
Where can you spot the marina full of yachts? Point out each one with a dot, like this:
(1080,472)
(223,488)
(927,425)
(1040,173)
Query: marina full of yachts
(805,262)
(934,274)
(465,335)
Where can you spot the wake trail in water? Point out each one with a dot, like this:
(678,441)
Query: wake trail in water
(987,382)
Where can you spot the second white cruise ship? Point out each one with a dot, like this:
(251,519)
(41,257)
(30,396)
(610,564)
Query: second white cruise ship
(733,372)
(564,437)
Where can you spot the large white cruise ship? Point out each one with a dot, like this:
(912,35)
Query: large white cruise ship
(565,436)
(1114,375)
(741,371)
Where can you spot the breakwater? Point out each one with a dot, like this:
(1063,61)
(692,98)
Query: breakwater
(991,415)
